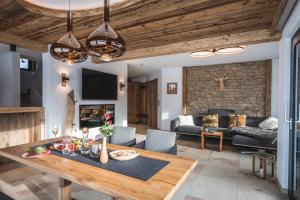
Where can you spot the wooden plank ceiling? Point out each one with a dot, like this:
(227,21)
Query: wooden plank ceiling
(154,27)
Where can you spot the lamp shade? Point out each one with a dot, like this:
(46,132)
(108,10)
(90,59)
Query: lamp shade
(68,49)
(105,42)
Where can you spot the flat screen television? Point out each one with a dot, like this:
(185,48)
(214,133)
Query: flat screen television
(99,85)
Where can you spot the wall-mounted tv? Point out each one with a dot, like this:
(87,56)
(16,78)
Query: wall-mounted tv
(99,85)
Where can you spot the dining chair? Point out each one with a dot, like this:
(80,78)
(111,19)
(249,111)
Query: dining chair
(160,141)
(124,136)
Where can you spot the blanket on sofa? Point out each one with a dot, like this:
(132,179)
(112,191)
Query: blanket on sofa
(260,133)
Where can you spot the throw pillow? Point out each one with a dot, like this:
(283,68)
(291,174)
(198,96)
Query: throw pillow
(237,121)
(241,120)
(186,120)
(210,121)
(269,123)
(232,121)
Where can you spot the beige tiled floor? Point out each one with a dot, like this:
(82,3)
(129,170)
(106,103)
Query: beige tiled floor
(219,175)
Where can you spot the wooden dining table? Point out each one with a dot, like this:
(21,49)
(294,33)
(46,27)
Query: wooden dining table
(162,185)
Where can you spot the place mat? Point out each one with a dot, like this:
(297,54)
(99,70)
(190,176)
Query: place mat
(141,167)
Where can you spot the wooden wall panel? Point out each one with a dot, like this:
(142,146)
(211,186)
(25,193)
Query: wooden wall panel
(20,128)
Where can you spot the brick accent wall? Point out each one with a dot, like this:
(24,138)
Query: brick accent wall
(247,90)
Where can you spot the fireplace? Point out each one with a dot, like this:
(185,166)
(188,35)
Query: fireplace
(91,115)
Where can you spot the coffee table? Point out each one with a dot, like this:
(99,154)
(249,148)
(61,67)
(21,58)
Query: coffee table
(214,134)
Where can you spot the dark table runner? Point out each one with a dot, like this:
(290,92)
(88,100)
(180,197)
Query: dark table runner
(142,168)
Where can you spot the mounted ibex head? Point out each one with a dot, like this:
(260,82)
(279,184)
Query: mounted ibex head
(221,79)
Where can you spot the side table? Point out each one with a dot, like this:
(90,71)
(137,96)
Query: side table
(214,134)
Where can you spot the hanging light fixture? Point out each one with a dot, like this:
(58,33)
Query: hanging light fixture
(68,48)
(104,42)
(221,51)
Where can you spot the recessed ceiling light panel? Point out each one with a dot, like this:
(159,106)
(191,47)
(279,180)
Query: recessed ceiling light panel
(201,54)
(230,50)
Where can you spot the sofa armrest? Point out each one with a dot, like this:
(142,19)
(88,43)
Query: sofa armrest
(140,145)
(173,150)
(174,124)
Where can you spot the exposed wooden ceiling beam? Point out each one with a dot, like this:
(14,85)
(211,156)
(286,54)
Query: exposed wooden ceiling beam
(23,42)
(244,38)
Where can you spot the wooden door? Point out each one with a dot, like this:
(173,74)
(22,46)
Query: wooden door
(152,98)
(134,102)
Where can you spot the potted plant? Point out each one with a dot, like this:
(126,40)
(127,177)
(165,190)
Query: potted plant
(105,130)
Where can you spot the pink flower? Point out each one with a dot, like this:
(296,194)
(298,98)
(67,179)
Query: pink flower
(109,122)
(107,116)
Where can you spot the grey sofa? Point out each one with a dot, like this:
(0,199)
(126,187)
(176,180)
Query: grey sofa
(249,136)
(198,128)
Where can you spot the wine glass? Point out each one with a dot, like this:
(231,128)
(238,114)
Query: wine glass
(55,129)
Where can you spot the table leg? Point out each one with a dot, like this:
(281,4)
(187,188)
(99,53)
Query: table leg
(65,189)
(265,168)
(221,143)
(202,141)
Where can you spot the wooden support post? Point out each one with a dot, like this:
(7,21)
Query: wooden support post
(65,189)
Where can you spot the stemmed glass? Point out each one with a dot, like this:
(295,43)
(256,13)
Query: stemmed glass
(55,129)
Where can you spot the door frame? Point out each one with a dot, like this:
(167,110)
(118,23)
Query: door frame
(293,115)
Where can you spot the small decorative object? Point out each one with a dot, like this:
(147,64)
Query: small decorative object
(123,155)
(85,145)
(95,149)
(221,79)
(172,88)
(106,131)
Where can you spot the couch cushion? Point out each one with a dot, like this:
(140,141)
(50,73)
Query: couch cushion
(186,120)
(237,121)
(264,134)
(226,131)
(254,121)
(193,130)
(223,121)
(198,120)
(269,123)
(211,121)
(242,140)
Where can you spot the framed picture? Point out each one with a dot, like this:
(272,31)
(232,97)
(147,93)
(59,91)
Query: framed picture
(171,88)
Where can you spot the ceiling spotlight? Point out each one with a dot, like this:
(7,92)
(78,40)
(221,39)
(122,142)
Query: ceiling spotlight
(201,54)
(230,50)
(224,51)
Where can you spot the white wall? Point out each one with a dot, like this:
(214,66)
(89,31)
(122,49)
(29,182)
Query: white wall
(274,88)
(283,95)
(10,79)
(55,96)
(171,104)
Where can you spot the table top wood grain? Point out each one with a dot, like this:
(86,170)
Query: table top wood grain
(162,185)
